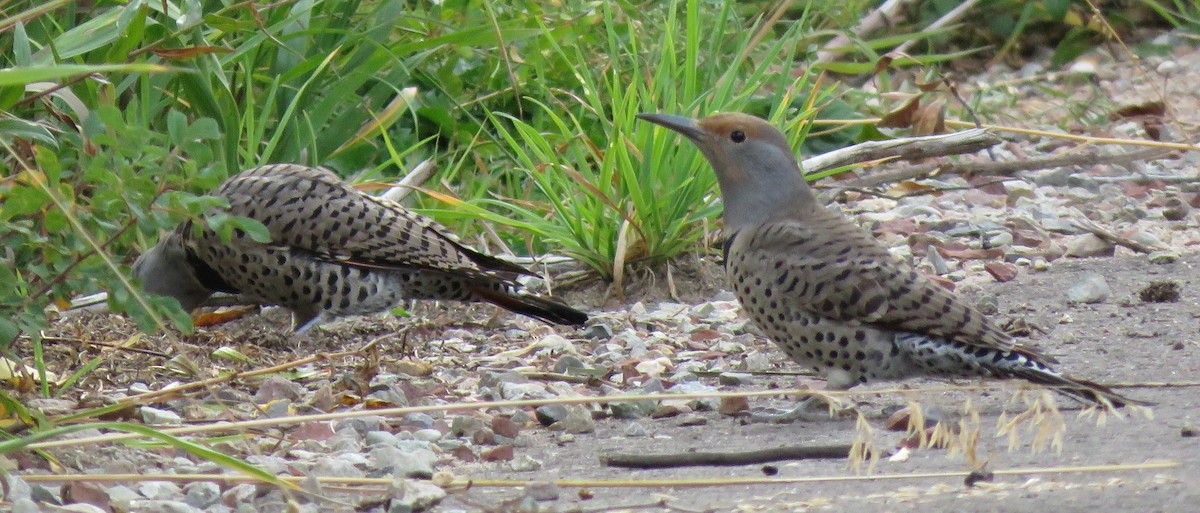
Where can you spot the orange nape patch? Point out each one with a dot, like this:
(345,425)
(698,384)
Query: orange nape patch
(722,124)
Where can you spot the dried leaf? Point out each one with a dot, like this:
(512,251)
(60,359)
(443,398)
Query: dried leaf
(931,119)
(902,117)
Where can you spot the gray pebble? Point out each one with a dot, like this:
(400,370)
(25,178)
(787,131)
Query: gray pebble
(1093,288)
(414,495)
(336,467)
(631,409)
(550,413)
(578,420)
(427,435)
(735,378)
(417,420)
(159,490)
(157,417)
(415,464)
(542,490)
(1163,257)
(599,331)
(525,463)
(200,494)
(569,364)
(380,438)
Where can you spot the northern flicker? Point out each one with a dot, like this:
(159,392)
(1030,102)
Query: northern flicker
(830,295)
(335,251)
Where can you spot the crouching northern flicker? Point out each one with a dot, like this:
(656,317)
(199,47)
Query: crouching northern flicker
(830,295)
(334,251)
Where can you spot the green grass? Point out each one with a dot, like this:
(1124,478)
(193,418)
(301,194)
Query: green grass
(117,116)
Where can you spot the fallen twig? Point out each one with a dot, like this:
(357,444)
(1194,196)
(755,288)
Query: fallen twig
(1104,233)
(694,459)
(987,168)
(459,482)
(907,148)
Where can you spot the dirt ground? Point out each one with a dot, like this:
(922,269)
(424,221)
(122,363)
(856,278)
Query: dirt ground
(444,354)
(1109,342)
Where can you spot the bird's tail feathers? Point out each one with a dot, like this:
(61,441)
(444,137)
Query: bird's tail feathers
(1079,389)
(541,308)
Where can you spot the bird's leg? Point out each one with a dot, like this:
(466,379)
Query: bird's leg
(815,407)
(303,322)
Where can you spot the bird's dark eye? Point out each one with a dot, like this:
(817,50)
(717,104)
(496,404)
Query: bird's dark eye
(737,136)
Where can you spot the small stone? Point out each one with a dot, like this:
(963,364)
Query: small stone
(598,331)
(157,417)
(542,490)
(415,464)
(239,494)
(380,438)
(1188,432)
(504,426)
(692,420)
(1001,271)
(1163,257)
(1041,264)
(937,263)
(1093,288)
(414,495)
(631,409)
(569,364)
(278,409)
(755,361)
(417,421)
(525,463)
(498,453)
(735,378)
(635,430)
(159,490)
(998,240)
(1176,209)
(50,406)
(549,414)
(427,435)
(483,436)
(696,387)
(202,494)
(578,420)
(670,409)
(1089,245)
(334,467)
(361,425)
(733,405)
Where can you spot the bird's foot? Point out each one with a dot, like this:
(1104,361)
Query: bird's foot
(813,409)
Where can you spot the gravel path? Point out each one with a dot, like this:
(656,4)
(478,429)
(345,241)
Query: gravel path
(1013,247)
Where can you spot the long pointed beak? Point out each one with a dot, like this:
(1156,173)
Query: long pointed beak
(686,126)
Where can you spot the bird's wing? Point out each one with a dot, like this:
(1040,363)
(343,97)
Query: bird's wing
(831,268)
(311,209)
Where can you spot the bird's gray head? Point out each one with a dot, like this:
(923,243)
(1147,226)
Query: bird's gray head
(164,271)
(755,166)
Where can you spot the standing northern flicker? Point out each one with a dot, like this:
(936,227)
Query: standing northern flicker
(830,295)
(335,251)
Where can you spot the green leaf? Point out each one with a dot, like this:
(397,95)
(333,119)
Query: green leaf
(29,74)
